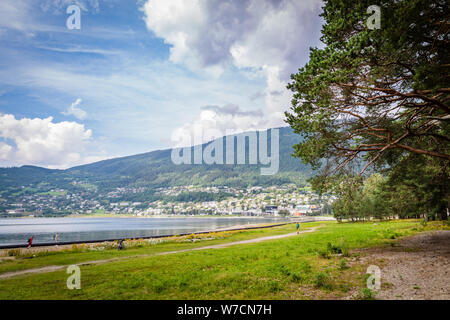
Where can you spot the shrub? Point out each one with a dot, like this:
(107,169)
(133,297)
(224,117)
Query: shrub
(343,246)
(345,251)
(296,277)
(343,265)
(336,249)
(323,280)
(285,271)
(366,294)
(14,252)
(324,254)
(274,286)
(305,267)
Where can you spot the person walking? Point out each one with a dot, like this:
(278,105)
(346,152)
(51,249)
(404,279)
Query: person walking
(30,242)
(298,227)
(56,237)
(121,246)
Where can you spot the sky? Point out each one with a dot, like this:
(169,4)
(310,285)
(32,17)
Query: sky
(143,75)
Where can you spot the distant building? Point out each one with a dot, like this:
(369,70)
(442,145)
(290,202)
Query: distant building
(15,211)
(302,210)
(271,210)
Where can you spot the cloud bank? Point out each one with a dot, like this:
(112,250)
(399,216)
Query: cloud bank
(269,37)
(41,142)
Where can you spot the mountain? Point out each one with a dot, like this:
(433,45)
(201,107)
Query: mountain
(156,169)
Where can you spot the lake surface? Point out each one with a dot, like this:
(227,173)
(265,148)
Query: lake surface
(17,231)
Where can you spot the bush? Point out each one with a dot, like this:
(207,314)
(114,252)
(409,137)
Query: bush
(345,252)
(341,248)
(79,248)
(274,286)
(305,267)
(324,254)
(334,248)
(14,252)
(343,265)
(285,271)
(296,277)
(323,280)
(366,294)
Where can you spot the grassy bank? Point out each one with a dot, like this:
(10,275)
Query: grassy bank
(22,259)
(311,265)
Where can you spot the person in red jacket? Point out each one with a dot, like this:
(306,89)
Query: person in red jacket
(30,241)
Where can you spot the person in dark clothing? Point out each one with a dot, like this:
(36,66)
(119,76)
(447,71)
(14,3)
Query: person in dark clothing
(298,227)
(121,246)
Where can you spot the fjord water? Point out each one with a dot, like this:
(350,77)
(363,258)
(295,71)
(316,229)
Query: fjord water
(17,231)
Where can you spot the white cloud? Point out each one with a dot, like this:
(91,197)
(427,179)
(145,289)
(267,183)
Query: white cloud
(215,122)
(76,112)
(42,142)
(80,49)
(5,151)
(263,36)
(137,95)
(247,33)
(176,21)
(14,15)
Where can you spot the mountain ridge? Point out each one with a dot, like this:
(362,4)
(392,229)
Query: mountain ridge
(155,169)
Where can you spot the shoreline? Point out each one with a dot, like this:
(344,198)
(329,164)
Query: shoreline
(146,217)
(168,216)
(234,228)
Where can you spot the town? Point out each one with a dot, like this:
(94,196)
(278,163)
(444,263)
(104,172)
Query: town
(286,200)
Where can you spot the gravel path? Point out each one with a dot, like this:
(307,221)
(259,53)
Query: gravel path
(416,268)
(8,275)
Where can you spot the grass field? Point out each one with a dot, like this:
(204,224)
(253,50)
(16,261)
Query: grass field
(313,265)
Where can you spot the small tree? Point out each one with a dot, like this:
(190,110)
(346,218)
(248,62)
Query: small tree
(284,212)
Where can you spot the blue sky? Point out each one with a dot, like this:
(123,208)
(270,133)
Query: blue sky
(140,74)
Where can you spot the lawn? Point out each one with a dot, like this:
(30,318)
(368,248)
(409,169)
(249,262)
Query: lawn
(308,266)
(82,253)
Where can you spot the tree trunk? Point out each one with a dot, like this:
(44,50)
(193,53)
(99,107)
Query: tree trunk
(443,211)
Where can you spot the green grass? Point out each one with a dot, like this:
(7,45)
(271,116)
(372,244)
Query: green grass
(289,268)
(87,186)
(53,193)
(82,253)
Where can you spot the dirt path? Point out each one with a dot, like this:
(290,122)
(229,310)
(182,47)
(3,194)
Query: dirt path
(416,268)
(8,275)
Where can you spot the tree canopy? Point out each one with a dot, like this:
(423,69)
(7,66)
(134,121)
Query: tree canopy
(369,99)
(375,94)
